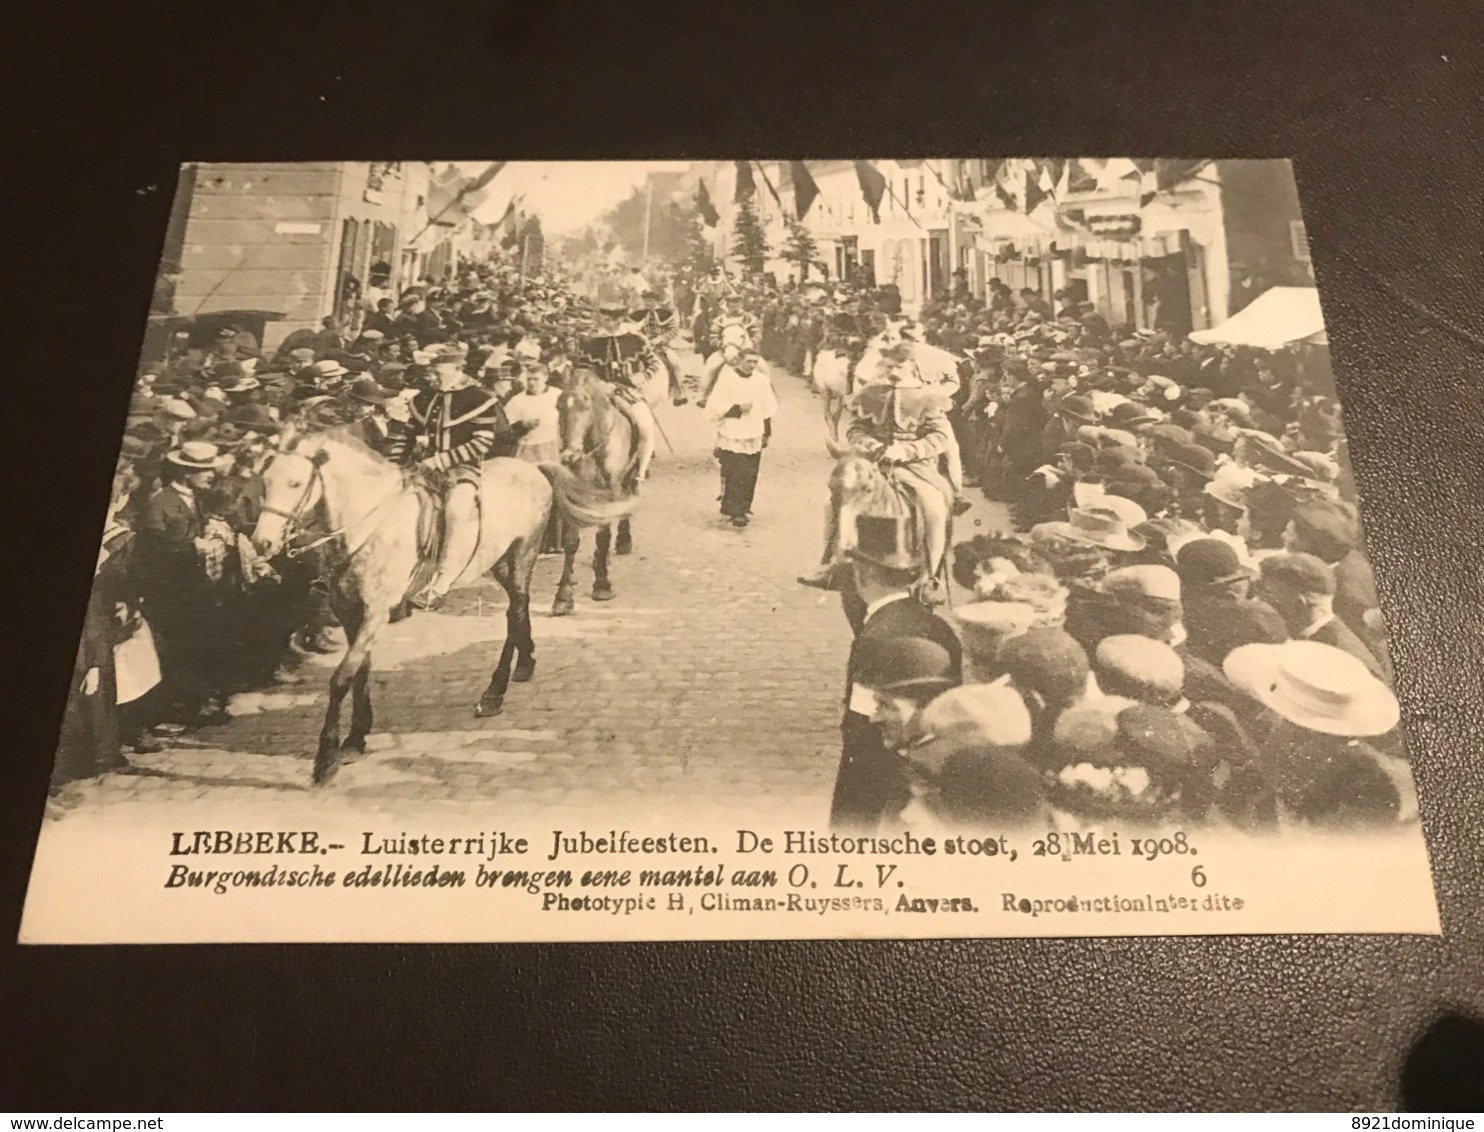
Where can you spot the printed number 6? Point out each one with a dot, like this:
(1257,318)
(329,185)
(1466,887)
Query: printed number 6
(1198,876)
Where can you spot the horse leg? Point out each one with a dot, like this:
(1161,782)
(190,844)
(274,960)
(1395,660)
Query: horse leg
(602,587)
(492,702)
(361,716)
(360,629)
(571,537)
(624,543)
(518,618)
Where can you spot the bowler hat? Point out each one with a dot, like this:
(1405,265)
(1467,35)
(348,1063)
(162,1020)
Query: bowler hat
(252,418)
(1304,572)
(1203,562)
(1078,408)
(882,539)
(913,666)
(1131,415)
(365,388)
(1193,458)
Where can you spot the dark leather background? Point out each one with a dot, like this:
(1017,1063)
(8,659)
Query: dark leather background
(1380,107)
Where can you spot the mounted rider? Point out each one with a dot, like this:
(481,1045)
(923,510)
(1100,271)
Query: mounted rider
(451,431)
(623,357)
(903,425)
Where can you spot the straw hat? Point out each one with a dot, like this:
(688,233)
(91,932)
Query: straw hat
(1230,485)
(1092,496)
(1100,526)
(1316,686)
(198,455)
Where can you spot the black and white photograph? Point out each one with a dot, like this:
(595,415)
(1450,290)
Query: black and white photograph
(732,549)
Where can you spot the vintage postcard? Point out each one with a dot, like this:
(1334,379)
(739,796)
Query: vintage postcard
(678,550)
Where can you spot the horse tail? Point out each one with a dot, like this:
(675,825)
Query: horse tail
(584,504)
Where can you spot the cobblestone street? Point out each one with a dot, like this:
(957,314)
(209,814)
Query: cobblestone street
(713,677)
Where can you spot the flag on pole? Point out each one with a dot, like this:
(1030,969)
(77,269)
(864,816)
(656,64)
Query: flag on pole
(745,185)
(873,187)
(704,207)
(805,190)
(771,190)
(486,177)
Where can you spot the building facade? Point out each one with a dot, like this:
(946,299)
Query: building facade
(1192,256)
(275,247)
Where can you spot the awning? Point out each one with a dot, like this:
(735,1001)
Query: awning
(1278,317)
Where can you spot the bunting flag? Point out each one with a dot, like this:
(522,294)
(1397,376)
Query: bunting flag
(873,187)
(805,190)
(704,208)
(1002,191)
(1081,177)
(507,222)
(1169,172)
(909,164)
(1056,169)
(1035,193)
(771,190)
(745,185)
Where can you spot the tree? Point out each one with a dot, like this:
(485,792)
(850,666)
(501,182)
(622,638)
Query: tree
(799,249)
(700,259)
(751,243)
(667,236)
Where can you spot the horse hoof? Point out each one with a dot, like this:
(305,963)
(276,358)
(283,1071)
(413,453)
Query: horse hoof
(350,752)
(562,607)
(489,706)
(604,593)
(623,546)
(524,670)
(325,768)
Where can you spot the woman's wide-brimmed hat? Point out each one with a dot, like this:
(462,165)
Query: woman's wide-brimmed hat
(1098,526)
(1315,686)
(198,455)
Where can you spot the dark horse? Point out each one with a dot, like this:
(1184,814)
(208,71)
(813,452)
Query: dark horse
(602,448)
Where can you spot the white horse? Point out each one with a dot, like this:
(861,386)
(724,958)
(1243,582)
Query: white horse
(330,488)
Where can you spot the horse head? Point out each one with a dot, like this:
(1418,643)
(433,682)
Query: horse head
(293,487)
(578,408)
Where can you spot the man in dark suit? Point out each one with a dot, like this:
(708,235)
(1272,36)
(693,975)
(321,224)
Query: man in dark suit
(1301,587)
(870,783)
(173,583)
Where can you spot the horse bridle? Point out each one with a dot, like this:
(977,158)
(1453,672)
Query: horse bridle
(292,519)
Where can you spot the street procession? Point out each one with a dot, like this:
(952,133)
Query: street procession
(935,494)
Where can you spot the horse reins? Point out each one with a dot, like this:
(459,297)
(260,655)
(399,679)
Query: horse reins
(294,518)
